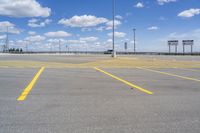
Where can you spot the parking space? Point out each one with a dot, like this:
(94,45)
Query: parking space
(193,73)
(100,99)
(13,81)
(156,82)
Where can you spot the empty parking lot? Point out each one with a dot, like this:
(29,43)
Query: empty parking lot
(97,94)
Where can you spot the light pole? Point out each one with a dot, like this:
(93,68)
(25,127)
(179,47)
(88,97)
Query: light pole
(134,30)
(113,51)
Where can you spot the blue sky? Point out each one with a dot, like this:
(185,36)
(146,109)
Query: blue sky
(86,24)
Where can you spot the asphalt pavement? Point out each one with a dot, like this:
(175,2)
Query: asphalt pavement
(85,100)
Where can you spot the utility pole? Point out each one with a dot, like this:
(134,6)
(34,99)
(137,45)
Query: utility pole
(114,52)
(134,30)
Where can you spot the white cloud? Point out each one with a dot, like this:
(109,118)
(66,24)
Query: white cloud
(119,17)
(153,28)
(56,41)
(6,24)
(189,13)
(139,5)
(75,42)
(109,24)
(58,34)
(21,42)
(34,23)
(162,2)
(2,37)
(82,41)
(109,41)
(83,21)
(23,8)
(89,39)
(117,34)
(36,38)
(11,27)
(101,28)
(32,33)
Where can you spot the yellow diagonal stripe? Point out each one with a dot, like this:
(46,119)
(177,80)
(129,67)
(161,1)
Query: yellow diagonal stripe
(27,90)
(170,74)
(124,81)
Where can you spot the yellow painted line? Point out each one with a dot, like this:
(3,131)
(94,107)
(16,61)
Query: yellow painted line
(27,90)
(170,74)
(124,81)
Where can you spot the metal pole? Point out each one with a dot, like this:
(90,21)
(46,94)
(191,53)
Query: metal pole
(134,40)
(183,49)
(113,45)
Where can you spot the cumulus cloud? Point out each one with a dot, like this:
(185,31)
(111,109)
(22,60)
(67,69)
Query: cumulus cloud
(162,2)
(58,34)
(109,41)
(139,5)
(83,21)
(35,38)
(83,40)
(153,28)
(109,24)
(118,17)
(32,33)
(6,25)
(189,13)
(101,28)
(56,41)
(117,34)
(89,39)
(2,37)
(23,8)
(34,23)
(76,42)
